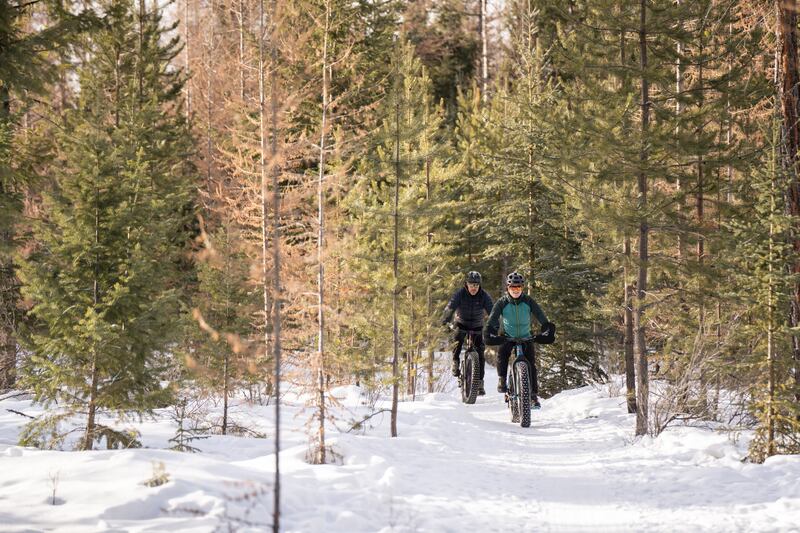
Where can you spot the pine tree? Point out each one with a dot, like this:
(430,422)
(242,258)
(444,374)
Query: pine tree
(391,208)
(29,57)
(103,276)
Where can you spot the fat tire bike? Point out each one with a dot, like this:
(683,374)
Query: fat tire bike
(519,385)
(469,377)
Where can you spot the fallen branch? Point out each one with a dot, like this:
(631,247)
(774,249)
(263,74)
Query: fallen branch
(15,395)
(21,414)
(360,423)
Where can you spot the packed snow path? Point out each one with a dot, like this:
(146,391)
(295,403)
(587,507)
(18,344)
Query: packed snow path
(453,468)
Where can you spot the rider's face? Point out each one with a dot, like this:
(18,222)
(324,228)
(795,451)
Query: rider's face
(473,288)
(515,290)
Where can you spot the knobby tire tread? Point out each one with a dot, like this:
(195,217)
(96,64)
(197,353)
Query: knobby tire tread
(524,394)
(472,378)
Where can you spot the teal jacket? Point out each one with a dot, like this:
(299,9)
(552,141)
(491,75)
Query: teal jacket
(516,315)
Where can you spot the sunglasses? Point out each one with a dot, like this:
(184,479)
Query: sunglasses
(514,287)
(473,285)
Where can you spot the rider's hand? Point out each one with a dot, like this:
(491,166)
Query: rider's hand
(493,340)
(548,334)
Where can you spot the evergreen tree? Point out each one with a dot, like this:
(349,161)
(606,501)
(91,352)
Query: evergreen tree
(392,206)
(760,348)
(103,277)
(29,54)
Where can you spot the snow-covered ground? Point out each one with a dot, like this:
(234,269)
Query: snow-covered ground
(453,468)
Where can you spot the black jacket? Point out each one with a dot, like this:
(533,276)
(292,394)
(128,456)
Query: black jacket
(469,310)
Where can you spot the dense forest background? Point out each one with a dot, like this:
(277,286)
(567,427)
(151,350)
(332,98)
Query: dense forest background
(233,196)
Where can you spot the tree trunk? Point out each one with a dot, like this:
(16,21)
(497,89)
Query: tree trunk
(702,400)
(242,70)
(428,296)
(790,103)
(679,182)
(641,288)
(8,281)
(630,372)
(320,459)
(186,59)
(484,54)
(88,438)
(275,307)
(395,258)
(396,255)
(770,337)
(276,255)
(140,59)
(226,387)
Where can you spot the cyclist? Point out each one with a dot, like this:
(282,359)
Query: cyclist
(469,303)
(516,310)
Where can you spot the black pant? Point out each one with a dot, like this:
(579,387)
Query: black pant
(477,342)
(527,349)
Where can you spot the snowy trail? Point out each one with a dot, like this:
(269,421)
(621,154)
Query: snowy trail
(460,468)
(453,468)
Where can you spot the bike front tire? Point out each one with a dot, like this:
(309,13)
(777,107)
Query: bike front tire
(471,377)
(523,389)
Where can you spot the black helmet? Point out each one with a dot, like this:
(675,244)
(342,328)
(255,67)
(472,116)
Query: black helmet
(515,278)
(474,277)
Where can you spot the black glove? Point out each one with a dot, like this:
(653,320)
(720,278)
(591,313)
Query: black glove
(548,334)
(493,340)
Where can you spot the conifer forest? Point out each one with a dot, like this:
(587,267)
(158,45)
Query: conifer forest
(220,219)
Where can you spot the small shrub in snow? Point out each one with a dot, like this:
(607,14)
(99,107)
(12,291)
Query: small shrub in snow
(54,500)
(159,477)
(190,419)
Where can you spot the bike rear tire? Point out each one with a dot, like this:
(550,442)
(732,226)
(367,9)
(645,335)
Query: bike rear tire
(523,387)
(472,377)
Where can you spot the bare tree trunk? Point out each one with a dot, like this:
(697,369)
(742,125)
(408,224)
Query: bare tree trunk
(771,328)
(264,180)
(702,404)
(320,459)
(428,296)
(140,59)
(641,288)
(679,107)
(395,259)
(242,70)
(209,48)
(484,54)
(186,59)
(272,155)
(627,286)
(410,351)
(226,389)
(276,254)
(630,372)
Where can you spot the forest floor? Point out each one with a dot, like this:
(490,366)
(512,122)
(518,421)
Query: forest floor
(453,468)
